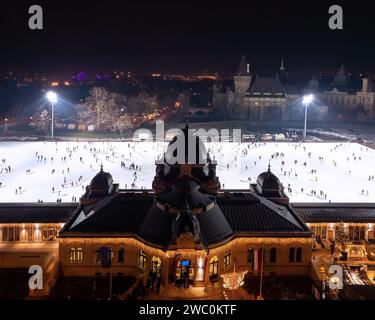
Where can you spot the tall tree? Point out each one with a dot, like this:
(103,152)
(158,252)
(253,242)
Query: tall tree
(98,108)
(42,120)
(143,103)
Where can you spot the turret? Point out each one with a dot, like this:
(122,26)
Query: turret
(270,187)
(242,78)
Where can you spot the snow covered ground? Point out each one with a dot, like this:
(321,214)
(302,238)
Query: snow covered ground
(343,174)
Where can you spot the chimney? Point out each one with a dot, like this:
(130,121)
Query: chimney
(365,85)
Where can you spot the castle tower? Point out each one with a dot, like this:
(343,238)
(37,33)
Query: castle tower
(282,67)
(341,79)
(242,78)
(283,76)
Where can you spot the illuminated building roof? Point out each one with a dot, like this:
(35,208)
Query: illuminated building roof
(267,85)
(37,212)
(335,212)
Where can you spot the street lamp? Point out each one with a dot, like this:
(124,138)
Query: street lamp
(52,98)
(307,99)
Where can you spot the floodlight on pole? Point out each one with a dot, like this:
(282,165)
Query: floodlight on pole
(52,98)
(307,99)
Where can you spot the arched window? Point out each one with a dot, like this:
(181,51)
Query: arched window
(142,259)
(291,255)
(273,255)
(227,259)
(299,255)
(121,255)
(98,257)
(214,264)
(250,256)
(79,255)
(72,257)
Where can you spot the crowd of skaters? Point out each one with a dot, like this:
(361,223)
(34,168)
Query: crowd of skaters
(128,159)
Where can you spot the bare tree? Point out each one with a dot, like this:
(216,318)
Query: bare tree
(110,110)
(100,108)
(42,120)
(122,123)
(143,103)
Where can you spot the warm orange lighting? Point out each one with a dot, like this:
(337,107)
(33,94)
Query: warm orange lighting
(54,84)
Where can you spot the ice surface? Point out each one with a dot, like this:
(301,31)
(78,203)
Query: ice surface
(347,181)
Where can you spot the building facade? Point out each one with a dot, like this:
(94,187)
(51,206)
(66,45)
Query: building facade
(272,98)
(253,97)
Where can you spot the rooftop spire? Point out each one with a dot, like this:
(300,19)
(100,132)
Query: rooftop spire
(282,67)
(342,69)
(101,167)
(242,68)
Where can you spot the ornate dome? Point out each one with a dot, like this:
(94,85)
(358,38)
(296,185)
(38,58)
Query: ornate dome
(101,184)
(194,162)
(268,182)
(313,84)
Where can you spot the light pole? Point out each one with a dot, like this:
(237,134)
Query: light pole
(5,124)
(52,98)
(307,99)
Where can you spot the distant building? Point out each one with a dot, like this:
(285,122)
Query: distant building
(351,100)
(272,97)
(255,97)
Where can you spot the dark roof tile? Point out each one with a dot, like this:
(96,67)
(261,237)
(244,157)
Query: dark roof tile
(36,212)
(335,212)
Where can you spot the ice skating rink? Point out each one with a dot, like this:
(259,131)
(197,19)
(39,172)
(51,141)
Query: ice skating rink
(310,172)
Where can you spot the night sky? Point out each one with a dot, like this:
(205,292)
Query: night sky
(185,36)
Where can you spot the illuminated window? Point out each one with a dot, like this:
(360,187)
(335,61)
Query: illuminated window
(49,233)
(79,255)
(227,259)
(121,255)
(273,255)
(97,256)
(299,254)
(356,233)
(250,256)
(17,233)
(291,255)
(11,233)
(30,233)
(142,259)
(72,257)
(214,264)
(23,234)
